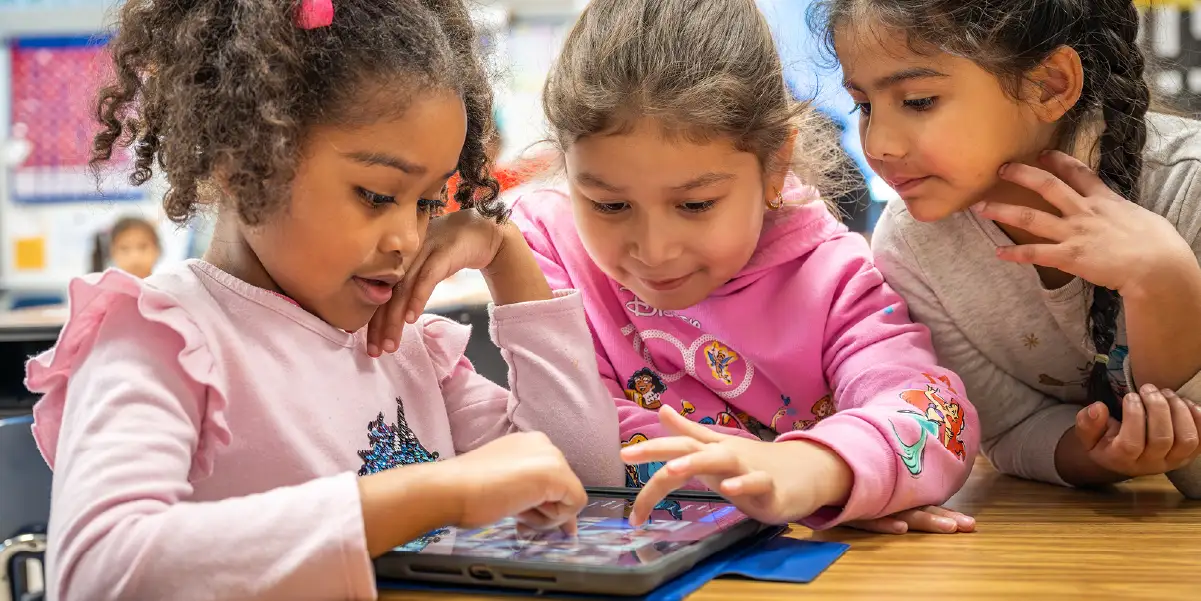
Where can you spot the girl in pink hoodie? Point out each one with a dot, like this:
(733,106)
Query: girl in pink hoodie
(742,331)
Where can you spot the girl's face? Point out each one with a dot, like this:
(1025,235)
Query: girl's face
(669,219)
(936,127)
(135,251)
(360,205)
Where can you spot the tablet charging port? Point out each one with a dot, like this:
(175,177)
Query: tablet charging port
(481,573)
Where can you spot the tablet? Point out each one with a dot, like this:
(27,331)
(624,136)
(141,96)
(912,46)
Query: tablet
(608,556)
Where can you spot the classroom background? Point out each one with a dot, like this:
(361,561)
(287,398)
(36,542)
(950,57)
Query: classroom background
(52,54)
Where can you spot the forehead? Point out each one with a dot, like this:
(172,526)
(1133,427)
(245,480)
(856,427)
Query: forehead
(868,51)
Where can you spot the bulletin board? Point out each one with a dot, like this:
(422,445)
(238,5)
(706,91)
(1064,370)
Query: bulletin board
(53,87)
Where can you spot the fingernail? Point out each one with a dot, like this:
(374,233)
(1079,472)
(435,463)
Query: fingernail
(1001,171)
(967,521)
(945,523)
(1149,389)
(1093,412)
(1132,400)
(373,350)
(900,527)
(979,207)
(389,346)
(1044,154)
(411,317)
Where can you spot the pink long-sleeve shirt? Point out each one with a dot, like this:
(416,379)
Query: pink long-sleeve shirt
(206,435)
(807,342)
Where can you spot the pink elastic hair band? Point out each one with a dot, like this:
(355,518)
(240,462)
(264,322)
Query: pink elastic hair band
(312,14)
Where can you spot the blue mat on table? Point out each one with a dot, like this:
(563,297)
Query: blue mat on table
(768,557)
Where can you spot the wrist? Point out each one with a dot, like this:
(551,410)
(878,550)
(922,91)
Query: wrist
(833,477)
(401,504)
(1178,273)
(508,250)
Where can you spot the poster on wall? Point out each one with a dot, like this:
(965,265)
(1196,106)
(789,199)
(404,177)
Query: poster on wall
(54,83)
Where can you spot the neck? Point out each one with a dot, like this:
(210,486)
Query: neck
(230,252)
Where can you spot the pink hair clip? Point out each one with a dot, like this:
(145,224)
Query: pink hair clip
(311,14)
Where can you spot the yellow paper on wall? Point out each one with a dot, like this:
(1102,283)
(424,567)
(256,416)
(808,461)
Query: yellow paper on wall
(30,254)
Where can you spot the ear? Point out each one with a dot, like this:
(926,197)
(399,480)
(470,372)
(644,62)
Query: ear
(781,164)
(1055,85)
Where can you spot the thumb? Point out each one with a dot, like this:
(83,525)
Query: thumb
(1090,424)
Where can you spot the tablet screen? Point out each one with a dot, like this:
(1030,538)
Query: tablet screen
(605,536)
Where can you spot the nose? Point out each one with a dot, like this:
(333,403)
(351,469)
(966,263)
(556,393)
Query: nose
(882,141)
(653,243)
(402,234)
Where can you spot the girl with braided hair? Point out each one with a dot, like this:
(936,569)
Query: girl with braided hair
(1048,228)
(218,429)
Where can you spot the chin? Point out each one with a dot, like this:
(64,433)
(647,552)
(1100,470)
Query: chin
(929,209)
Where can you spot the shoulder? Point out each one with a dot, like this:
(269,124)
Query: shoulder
(1172,163)
(146,325)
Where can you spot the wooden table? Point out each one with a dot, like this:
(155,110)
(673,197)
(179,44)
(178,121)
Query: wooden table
(1139,540)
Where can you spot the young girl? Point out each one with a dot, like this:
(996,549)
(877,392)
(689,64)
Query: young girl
(131,245)
(719,287)
(1057,292)
(208,427)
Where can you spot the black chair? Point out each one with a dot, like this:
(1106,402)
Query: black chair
(24,511)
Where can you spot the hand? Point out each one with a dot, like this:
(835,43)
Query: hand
(1100,237)
(459,240)
(932,519)
(773,482)
(1157,434)
(522,475)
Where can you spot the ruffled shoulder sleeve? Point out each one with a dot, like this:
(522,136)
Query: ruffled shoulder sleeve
(445,341)
(159,315)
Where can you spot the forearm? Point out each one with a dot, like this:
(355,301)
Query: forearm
(1076,467)
(1163,328)
(400,505)
(514,276)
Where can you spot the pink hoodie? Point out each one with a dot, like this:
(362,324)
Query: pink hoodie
(807,342)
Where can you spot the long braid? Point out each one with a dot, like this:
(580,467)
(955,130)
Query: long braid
(1124,100)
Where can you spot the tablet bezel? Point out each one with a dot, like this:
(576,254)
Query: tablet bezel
(547,576)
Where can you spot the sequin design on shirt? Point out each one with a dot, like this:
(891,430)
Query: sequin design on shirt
(392,445)
(644,388)
(638,475)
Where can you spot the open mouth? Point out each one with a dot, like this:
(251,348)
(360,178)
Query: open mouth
(376,292)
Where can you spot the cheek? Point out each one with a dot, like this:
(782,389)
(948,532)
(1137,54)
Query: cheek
(729,240)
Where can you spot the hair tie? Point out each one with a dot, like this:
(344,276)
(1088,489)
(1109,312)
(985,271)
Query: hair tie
(312,14)
(1102,359)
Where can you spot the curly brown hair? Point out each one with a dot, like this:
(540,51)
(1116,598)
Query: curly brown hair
(229,88)
(702,68)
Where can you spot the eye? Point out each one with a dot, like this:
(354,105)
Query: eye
(699,206)
(432,206)
(373,199)
(921,104)
(862,107)
(609,208)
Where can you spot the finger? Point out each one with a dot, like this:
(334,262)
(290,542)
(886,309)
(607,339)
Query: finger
(920,520)
(1091,423)
(1074,173)
(885,525)
(1061,256)
(963,522)
(661,449)
(434,270)
(1047,185)
(1159,424)
(375,331)
(1131,438)
(1040,223)
(1184,431)
(676,473)
(682,426)
(753,484)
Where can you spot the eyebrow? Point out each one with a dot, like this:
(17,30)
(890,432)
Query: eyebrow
(707,179)
(900,76)
(380,159)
